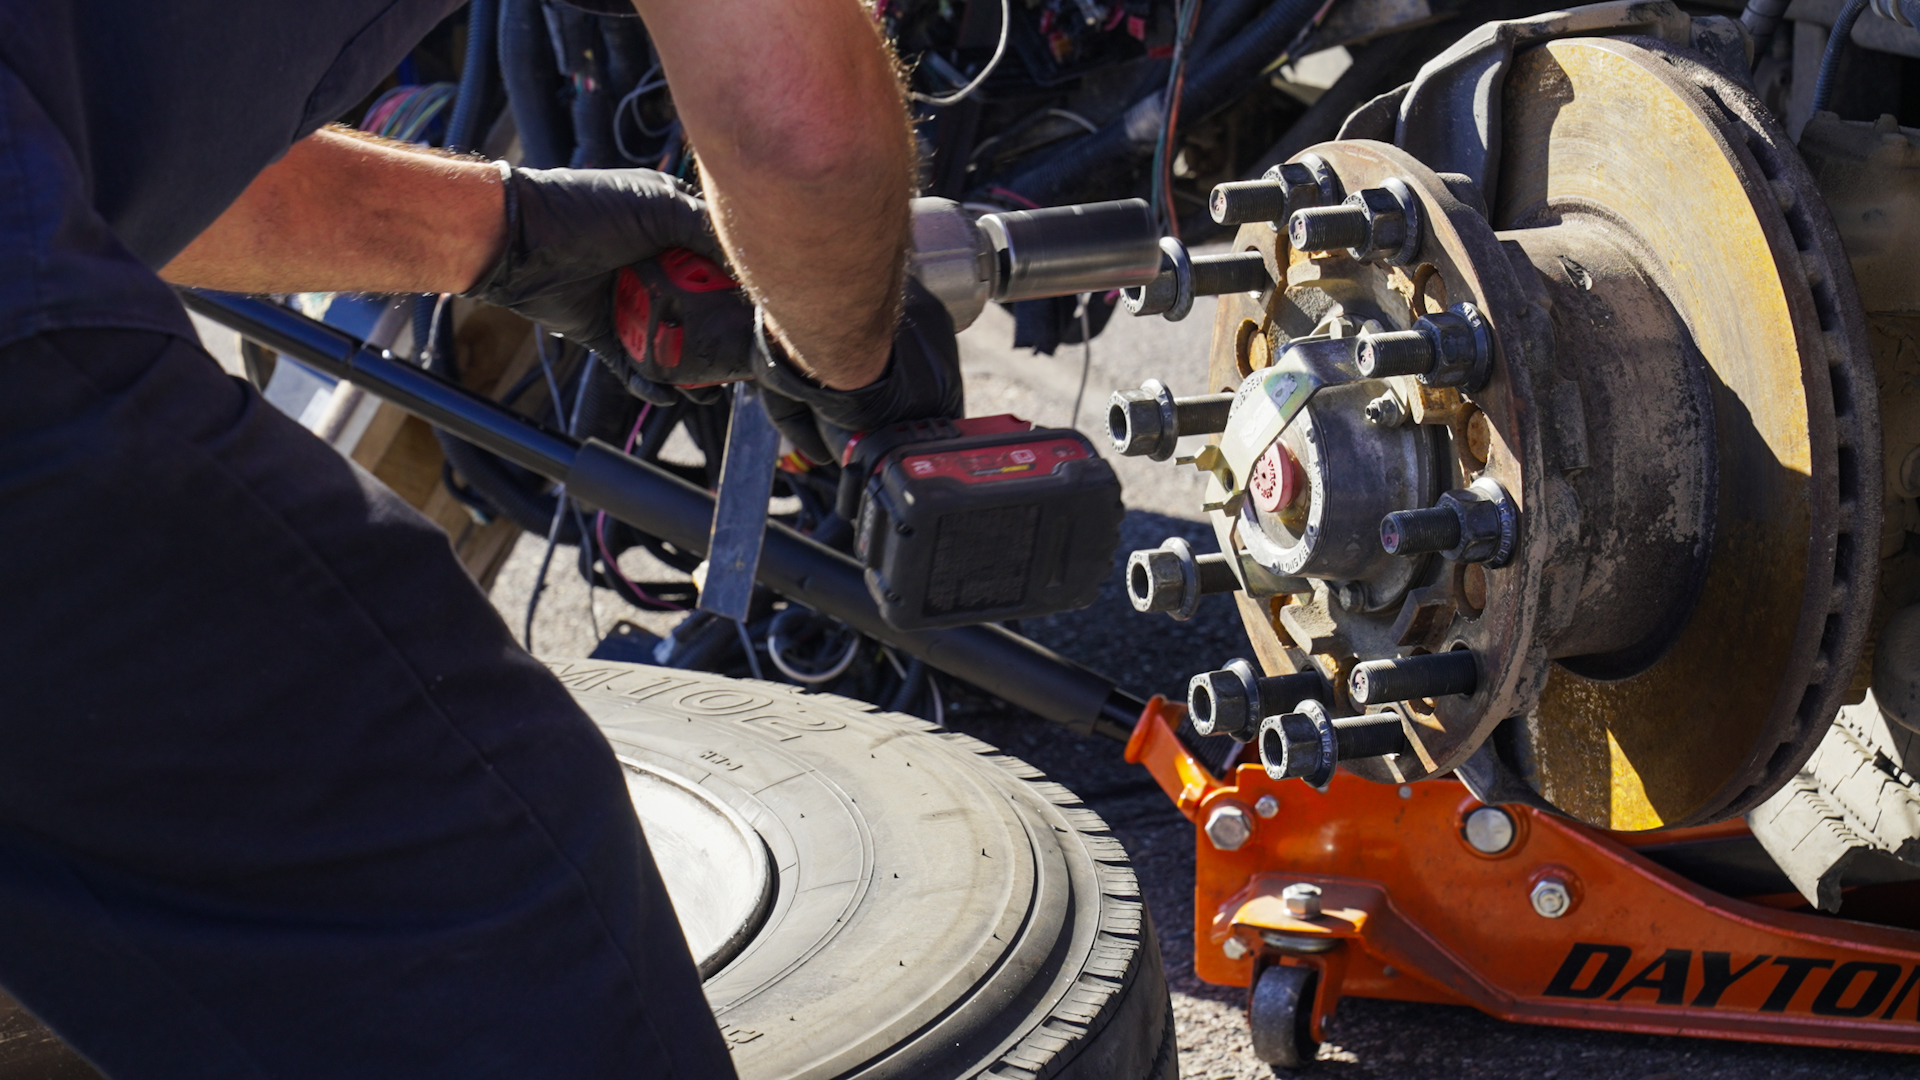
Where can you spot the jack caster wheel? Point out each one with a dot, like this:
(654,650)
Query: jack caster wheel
(1280,1015)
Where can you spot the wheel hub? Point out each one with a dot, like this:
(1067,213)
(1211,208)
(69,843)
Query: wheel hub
(1592,437)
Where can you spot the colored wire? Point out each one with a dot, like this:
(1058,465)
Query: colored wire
(1163,148)
(606,548)
(1086,360)
(1000,50)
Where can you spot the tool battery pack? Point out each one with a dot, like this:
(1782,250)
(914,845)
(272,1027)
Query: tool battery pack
(982,520)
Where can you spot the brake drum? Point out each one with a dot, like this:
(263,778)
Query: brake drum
(1681,410)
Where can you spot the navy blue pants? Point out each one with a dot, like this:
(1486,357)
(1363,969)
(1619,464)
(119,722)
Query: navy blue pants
(279,795)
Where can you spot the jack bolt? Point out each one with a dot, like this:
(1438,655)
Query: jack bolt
(1232,700)
(1148,421)
(1407,678)
(1170,578)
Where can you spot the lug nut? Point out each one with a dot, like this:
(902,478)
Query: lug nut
(1148,421)
(1386,411)
(1183,277)
(1301,900)
(1232,700)
(1393,352)
(1285,188)
(1407,678)
(1377,223)
(1452,348)
(1229,828)
(1241,201)
(1411,532)
(1328,228)
(1170,578)
(1306,744)
(1478,523)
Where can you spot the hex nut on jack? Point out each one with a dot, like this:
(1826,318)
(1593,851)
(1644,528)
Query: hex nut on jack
(1229,828)
(1302,900)
(1551,898)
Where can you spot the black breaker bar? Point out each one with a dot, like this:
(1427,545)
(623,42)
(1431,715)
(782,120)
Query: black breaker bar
(654,501)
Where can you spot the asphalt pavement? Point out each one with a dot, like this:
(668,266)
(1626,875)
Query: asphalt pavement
(1156,655)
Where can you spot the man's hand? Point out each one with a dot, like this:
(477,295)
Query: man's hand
(569,232)
(797,114)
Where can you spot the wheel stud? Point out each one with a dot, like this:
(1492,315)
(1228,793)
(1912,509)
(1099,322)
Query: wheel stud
(1478,523)
(1407,678)
(1172,579)
(1232,700)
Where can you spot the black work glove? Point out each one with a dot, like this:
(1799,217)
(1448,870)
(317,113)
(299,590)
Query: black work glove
(570,232)
(921,382)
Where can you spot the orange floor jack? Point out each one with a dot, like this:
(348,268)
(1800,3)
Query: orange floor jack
(1421,893)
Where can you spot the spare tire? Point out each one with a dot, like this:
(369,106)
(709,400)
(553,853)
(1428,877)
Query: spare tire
(934,909)
(868,894)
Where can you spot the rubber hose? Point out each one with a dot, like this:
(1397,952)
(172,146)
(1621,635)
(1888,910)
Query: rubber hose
(532,79)
(910,684)
(1836,47)
(1215,79)
(577,35)
(1762,18)
(465,126)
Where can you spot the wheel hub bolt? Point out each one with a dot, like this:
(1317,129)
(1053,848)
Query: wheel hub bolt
(1478,523)
(1232,700)
(1170,578)
(1408,678)
(1302,900)
(1148,422)
(1377,223)
(1285,188)
(1229,828)
(1452,348)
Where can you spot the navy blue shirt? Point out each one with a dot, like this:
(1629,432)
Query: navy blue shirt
(127,126)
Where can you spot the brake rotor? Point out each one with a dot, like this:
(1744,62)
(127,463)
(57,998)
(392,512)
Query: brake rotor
(1681,408)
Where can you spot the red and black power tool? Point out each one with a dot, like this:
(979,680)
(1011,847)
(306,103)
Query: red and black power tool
(980,520)
(957,520)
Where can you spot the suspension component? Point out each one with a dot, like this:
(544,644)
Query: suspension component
(1410,678)
(1148,421)
(1306,743)
(1170,578)
(1233,700)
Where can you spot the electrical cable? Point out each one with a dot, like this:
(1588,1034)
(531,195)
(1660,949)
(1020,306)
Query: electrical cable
(999,51)
(1836,47)
(1163,148)
(560,495)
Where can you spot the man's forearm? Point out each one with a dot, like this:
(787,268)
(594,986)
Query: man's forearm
(343,212)
(797,114)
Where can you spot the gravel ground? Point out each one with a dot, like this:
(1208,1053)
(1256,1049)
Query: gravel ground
(1365,1038)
